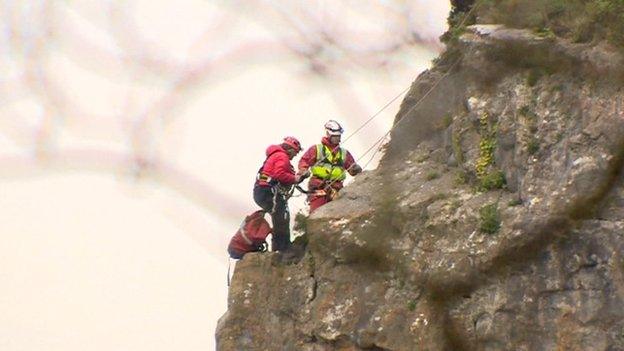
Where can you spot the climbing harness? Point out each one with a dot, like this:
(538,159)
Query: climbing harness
(263,177)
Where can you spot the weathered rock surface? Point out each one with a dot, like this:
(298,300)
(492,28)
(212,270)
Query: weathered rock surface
(409,259)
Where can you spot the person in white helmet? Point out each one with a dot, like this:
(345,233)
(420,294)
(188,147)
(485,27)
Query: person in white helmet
(328,164)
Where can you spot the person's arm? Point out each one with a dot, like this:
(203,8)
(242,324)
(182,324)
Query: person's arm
(350,165)
(307,160)
(284,172)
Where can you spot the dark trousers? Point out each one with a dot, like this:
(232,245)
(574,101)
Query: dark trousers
(277,206)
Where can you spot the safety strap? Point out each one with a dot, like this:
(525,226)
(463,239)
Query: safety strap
(228,272)
(322,155)
(320,192)
(275,193)
(263,177)
(301,190)
(244,233)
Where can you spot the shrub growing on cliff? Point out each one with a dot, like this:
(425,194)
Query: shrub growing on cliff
(533,146)
(461,178)
(447,120)
(487,145)
(489,176)
(533,77)
(489,219)
(431,175)
(492,180)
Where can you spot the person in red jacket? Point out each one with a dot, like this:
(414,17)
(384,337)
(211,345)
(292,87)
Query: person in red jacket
(328,164)
(250,237)
(273,182)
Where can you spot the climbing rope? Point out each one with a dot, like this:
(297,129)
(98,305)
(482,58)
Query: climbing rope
(378,145)
(377,114)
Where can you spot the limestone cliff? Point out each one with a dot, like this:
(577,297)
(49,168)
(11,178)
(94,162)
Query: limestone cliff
(494,222)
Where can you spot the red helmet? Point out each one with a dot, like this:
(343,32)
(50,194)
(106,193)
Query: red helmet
(293,142)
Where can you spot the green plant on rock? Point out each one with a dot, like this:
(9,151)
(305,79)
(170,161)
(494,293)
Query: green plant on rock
(453,34)
(533,146)
(534,76)
(492,180)
(489,219)
(457,148)
(422,158)
(486,156)
(489,177)
(461,178)
(432,175)
(447,120)
(545,32)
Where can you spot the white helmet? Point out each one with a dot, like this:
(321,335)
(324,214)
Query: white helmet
(333,128)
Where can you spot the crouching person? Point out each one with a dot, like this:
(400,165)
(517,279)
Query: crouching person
(251,236)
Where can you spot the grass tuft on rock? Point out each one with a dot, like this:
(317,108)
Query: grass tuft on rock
(493,180)
(489,219)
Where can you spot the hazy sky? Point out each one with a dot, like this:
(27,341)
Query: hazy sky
(130,134)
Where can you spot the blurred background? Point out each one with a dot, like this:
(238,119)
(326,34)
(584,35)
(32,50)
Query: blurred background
(130,135)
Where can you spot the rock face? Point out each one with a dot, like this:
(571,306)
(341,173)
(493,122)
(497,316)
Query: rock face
(494,222)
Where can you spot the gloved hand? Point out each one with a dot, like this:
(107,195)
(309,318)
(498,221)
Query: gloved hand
(302,175)
(305,173)
(330,192)
(355,169)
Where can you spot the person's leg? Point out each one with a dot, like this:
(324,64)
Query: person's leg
(235,254)
(316,202)
(281,225)
(263,196)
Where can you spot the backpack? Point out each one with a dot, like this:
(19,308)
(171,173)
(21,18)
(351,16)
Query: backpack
(250,236)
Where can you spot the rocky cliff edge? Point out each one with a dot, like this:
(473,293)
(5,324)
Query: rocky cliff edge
(495,220)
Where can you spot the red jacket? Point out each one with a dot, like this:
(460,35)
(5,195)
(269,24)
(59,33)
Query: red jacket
(250,235)
(309,159)
(277,166)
